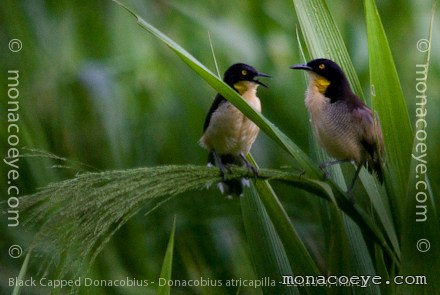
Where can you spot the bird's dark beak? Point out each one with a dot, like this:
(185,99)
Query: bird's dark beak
(261,75)
(301,67)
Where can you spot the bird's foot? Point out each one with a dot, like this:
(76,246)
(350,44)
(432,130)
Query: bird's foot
(218,163)
(250,167)
(323,168)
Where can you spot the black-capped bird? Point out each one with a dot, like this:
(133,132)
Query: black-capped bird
(228,134)
(342,123)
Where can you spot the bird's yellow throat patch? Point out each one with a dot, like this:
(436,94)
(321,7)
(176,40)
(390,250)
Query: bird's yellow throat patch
(243,86)
(321,83)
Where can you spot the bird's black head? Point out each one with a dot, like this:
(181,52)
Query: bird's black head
(328,77)
(323,67)
(242,72)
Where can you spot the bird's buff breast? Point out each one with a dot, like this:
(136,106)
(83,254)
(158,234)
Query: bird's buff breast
(230,132)
(333,127)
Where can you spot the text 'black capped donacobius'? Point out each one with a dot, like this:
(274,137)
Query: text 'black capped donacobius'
(228,134)
(342,123)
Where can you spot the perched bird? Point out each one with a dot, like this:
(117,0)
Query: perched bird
(228,134)
(342,123)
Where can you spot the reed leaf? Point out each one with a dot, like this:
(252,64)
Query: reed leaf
(167,266)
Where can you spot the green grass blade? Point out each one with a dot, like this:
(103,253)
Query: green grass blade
(167,265)
(22,274)
(388,101)
(381,206)
(338,247)
(348,255)
(383,272)
(300,260)
(360,259)
(268,254)
(421,237)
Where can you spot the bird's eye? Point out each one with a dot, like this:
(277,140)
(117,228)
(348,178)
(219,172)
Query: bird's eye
(244,72)
(321,66)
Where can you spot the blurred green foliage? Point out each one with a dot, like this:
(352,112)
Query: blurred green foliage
(97,89)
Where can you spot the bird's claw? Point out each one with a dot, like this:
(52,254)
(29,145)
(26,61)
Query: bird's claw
(250,168)
(254,171)
(326,174)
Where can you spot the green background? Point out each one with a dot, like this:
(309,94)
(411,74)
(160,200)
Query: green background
(96,88)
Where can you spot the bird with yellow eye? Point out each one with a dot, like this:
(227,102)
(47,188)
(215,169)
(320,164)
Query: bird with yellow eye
(228,134)
(342,123)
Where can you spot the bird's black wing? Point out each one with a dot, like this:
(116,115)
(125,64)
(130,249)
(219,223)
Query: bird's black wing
(219,99)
